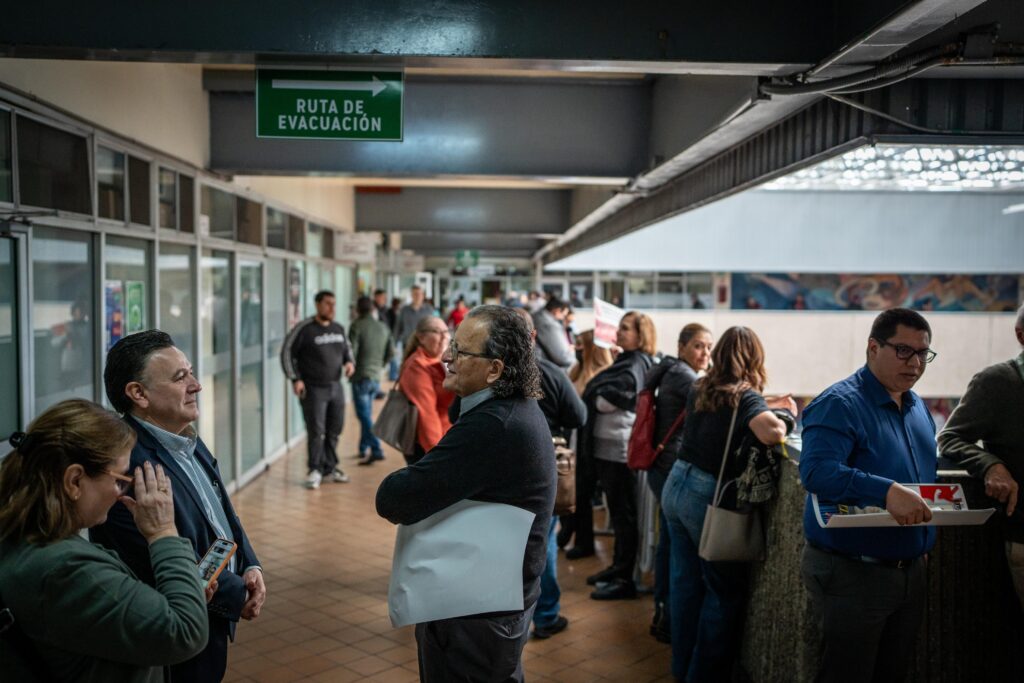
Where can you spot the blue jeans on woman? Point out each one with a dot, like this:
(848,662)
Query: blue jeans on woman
(656,482)
(706,599)
(363,392)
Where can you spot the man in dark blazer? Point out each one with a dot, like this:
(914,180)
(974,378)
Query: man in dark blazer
(150,382)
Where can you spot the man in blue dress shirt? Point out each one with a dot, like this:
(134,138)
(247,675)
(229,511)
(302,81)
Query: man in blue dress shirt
(863,438)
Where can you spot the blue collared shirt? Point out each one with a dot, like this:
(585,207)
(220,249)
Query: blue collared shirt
(856,443)
(182,448)
(473,400)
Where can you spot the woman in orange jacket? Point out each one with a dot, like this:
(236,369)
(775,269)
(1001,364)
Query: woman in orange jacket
(420,380)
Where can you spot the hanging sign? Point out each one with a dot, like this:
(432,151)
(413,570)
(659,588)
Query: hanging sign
(331,104)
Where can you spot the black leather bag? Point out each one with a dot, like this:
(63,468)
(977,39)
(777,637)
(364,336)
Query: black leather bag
(397,421)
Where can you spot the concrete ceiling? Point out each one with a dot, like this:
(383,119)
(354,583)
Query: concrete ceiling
(528,133)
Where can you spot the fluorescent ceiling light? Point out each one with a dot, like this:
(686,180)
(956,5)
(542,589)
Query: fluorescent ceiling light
(1013,208)
(980,168)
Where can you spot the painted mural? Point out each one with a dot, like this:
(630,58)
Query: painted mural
(828,292)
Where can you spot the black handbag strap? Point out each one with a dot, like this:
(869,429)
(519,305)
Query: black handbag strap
(716,501)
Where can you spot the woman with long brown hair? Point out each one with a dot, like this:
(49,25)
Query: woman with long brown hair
(707,598)
(81,614)
(592,360)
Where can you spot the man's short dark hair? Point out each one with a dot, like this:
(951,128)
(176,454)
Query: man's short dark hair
(323,294)
(509,341)
(126,363)
(885,324)
(378,292)
(364,305)
(555,304)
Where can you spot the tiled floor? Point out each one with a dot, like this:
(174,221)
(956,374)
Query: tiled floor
(327,556)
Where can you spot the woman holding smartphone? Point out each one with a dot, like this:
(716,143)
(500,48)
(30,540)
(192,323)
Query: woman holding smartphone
(80,613)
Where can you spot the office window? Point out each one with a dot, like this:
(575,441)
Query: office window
(110,183)
(126,288)
(314,240)
(138,190)
(613,291)
(699,292)
(250,224)
(328,245)
(63,310)
(277,228)
(671,292)
(296,234)
(216,406)
(10,382)
(187,203)
(168,192)
(53,167)
(277,328)
(6,174)
(581,293)
(177,298)
(218,211)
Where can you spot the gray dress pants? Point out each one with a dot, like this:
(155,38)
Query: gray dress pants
(468,650)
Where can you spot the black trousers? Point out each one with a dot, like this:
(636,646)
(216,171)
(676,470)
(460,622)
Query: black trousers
(581,522)
(212,662)
(619,484)
(870,616)
(473,650)
(323,409)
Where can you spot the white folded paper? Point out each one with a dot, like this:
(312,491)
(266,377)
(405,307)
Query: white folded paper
(947,502)
(465,559)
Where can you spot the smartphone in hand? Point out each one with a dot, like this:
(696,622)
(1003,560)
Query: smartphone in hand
(215,560)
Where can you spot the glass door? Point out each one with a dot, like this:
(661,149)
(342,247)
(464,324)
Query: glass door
(250,341)
(216,402)
(10,342)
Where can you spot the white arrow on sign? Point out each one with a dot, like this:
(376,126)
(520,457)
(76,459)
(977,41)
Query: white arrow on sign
(375,86)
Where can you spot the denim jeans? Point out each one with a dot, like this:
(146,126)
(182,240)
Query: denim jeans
(363,392)
(550,593)
(656,482)
(706,599)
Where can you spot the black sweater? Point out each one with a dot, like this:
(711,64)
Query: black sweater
(498,452)
(673,379)
(315,353)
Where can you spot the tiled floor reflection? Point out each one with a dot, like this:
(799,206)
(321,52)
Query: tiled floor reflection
(327,555)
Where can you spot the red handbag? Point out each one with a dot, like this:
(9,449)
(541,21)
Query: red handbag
(641,452)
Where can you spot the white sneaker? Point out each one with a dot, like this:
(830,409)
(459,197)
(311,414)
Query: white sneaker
(339,477)
(313,480)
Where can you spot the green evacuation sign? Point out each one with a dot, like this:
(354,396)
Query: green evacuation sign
(329,104)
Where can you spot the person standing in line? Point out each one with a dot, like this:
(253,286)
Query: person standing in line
(380,306)
(552,339)
(707,599)
(611,403)
(499,451)
(410,314)
(672,379)
(372,349)
(150,382)
(422,382)
(863,438)
(591,359)
(986,434)
(457,314)
(315,354)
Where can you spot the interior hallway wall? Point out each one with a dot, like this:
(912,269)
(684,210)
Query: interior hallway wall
(160,105)
(806,351)
(330,199)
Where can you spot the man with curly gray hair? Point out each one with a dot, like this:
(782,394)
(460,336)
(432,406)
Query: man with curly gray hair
(499,451)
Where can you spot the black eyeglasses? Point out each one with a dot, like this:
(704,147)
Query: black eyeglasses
(904,352)
(454,352)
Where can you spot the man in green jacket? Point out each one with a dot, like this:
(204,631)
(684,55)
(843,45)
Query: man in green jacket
(372,349)
(986,434)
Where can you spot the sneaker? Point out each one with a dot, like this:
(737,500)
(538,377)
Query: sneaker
(557,626)
(339,477)
(313,480)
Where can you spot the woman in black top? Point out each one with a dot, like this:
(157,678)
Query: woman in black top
(611,409)
(707,598)
(671,379)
